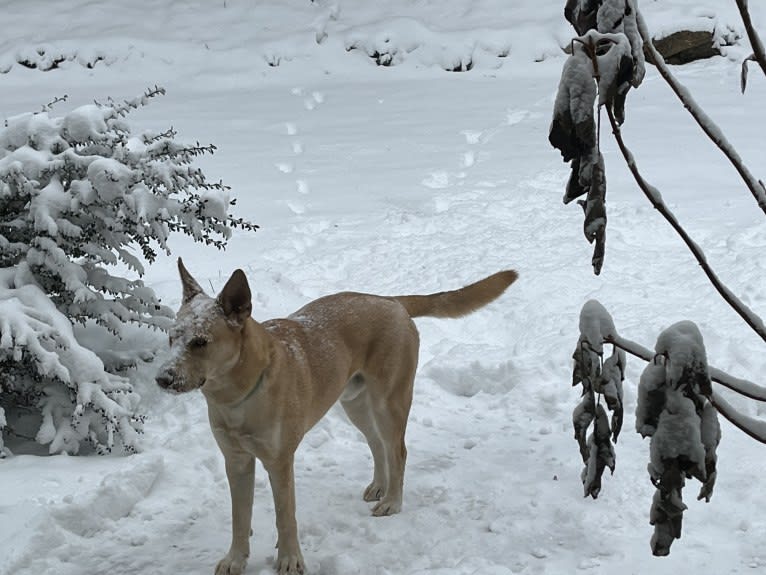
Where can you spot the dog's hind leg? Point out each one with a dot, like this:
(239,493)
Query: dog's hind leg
(356,404)
(391,420)
(390,386)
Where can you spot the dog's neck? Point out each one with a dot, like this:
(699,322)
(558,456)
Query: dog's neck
(247,375)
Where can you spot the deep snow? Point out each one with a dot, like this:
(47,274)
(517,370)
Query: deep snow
(410,179)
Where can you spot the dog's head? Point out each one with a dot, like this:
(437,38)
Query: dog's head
(206,339)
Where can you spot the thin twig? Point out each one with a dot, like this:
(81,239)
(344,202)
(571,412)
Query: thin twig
(755,428)
(755,322)
(703,120)
(755,41)
(741,386)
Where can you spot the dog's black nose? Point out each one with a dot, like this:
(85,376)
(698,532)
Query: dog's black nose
(165,379)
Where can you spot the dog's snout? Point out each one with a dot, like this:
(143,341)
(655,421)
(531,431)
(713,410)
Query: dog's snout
(165,378)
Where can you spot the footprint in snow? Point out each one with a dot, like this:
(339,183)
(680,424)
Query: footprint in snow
(298,208)
(303,187)
(284,167)
(312,101)
(515,116)
(437,180)
(291,128)
(472,137)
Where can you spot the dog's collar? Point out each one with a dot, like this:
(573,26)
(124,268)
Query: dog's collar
(255,388)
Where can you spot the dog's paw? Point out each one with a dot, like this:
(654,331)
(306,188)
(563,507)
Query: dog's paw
(231,564)
(387,507)
(290,564)
(373,492)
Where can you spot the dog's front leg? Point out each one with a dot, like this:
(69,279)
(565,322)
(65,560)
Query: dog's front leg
(240,471)
(289,557)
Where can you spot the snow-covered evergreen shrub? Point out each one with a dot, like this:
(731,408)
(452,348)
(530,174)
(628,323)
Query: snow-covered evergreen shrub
(80,195)
(43,367)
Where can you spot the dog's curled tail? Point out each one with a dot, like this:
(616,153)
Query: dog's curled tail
(460,302)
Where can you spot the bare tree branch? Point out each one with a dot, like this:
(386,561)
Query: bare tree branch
(703,120)
(654,196)
(755,428)
(741,386)
(759,54)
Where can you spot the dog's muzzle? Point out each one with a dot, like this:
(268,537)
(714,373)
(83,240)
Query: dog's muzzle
(169,380)
(165,379)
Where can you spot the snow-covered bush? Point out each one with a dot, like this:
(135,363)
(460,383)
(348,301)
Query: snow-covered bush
(674,408)
(81,197)
(600,378)
(42,366)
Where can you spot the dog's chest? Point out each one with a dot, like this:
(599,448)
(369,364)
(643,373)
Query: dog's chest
(235,429)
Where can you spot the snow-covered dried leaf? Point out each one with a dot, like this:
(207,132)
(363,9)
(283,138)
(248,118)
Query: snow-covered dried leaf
(711,436)
(587,366)
(686,364)
(651,399)
(582,417)
(596,325)
(610,384)
(573,127)
(600,454)
(594,207)
(666,515)
(581,14)
(677,438)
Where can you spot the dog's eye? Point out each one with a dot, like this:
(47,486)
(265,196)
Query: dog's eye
(198,342)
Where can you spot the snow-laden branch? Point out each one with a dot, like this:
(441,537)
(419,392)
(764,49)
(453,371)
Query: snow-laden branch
(759,53)
(709,127)
(673,408)
(41,357)
(654,196)
(753,427)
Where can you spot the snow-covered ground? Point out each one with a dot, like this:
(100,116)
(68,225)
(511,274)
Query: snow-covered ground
(411,179)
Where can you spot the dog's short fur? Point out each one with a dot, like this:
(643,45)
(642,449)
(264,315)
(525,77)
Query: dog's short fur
(266,384)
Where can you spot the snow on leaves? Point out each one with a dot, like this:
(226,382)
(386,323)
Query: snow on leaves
(604,62)
(42,361)
(80,194)
(674,409)
(600,379)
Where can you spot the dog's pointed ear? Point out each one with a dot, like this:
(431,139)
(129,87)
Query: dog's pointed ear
(190,286)
(235,298)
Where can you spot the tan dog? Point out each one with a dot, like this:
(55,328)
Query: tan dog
(266,384)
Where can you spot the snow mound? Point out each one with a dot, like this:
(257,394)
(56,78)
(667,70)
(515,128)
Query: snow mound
(464,378)
(396,41)
(46,57)
(56,531)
